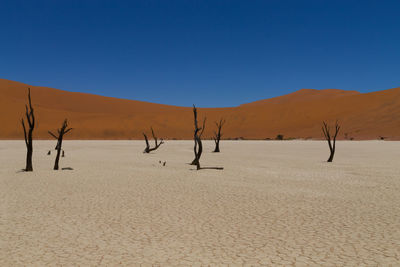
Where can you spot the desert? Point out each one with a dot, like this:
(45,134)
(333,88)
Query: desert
(275,203)
(199,133)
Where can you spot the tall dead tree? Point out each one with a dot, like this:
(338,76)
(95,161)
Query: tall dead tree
(331,140)
(61,132)
(218,134)
(30,117)
(148,149)
(198,145)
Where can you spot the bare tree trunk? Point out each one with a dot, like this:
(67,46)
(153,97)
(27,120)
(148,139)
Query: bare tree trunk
(328,137)
(195,160)
(218,134)
(199,149)
(58,155)
(198,145)
(147,149)
(61,132)
(29,164)
(216,149)
(30,117)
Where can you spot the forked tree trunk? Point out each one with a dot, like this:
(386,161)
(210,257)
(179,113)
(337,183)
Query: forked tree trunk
(331,140)
(30,117)
(148,149)
(61,132)
(218,134)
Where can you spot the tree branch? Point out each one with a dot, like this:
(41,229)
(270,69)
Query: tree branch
(52,134)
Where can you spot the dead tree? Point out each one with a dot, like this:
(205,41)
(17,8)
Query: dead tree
(328,137)
(30,117)
(217,134)
(198,145)
(61,132)
(148,149)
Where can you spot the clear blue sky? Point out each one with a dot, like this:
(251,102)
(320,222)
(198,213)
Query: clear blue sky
(211,53)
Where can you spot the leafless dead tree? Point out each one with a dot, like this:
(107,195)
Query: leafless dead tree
(148,149)
(61,132)
(328,137)
(198,145)
(30,117)
(218,134)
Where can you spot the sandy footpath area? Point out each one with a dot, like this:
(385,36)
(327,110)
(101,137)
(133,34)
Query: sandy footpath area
(276,203)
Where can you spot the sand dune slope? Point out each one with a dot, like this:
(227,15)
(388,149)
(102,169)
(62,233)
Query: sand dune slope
(297,115)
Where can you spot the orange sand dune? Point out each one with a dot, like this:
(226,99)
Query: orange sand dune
(296,115)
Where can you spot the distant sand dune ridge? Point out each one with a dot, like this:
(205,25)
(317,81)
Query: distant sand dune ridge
(297,115)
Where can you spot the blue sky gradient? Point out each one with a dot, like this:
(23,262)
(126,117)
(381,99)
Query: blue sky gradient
(211,53)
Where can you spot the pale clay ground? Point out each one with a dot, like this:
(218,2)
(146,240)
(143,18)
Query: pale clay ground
(276,203)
